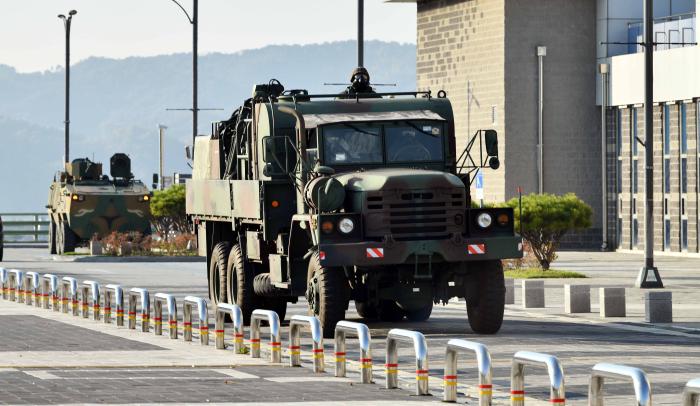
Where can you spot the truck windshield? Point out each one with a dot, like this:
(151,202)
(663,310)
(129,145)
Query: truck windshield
(352,144)
(413,142)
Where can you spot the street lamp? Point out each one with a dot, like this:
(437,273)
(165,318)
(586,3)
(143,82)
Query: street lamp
(66,26)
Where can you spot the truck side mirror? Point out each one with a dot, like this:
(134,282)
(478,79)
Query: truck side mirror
(188,152)
(491,141)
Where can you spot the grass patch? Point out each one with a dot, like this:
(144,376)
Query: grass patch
(536,273)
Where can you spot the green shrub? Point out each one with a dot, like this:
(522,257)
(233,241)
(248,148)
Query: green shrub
(168,211)
(547,218)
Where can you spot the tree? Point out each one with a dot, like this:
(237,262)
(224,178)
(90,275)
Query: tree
(546,218)
(168,210)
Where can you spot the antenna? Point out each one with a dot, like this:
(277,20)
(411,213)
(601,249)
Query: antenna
(360,33)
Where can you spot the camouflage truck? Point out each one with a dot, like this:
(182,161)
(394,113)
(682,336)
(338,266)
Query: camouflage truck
(84,203)
(359,196)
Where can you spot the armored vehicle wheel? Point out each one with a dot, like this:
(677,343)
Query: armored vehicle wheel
(388,310)
(365,310)
(65,240)
(421,314)
(217,272)
(326,294)
(486,294)
(52,237)
(240,275)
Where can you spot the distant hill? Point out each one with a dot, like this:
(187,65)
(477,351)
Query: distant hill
(116,105)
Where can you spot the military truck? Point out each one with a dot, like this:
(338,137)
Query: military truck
(355,196)
(84,203)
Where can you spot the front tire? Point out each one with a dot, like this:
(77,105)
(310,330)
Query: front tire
(487,297)
(67,239)
(240,275)
(217,272)
(326,294)
(52,237)
(421,314)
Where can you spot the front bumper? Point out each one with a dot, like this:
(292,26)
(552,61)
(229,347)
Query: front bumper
(400,252)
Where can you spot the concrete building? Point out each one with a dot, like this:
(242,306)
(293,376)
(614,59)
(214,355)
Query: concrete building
(487,55)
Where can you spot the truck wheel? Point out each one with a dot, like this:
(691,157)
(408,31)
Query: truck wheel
(240,276)
(326,294)
(486,298)
(388,310)
(421,314)
(365,310)
(217,272)
(52,237)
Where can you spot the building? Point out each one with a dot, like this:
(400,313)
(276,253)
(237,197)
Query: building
(493,56)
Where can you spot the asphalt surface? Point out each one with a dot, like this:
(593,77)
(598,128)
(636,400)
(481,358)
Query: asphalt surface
(670,354)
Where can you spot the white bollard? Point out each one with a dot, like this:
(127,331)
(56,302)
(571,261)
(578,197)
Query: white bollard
(510,291)
(533,293)
(658,307)
(612,302)
(577,298)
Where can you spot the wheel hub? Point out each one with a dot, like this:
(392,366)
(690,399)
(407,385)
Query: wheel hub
(312,295)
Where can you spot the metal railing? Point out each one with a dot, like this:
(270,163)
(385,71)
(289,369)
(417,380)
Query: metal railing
(69,293)
(483,362)
(273,320)
(421,350)
(113,293)
(296,324)
(3,282)
(642,387)
(158,301)
(32,283)
(90,290)
(134,295)
(363,335)
(203,313)
(18,225)
(222,309)
(15,282)
(557,393)
(49,291)
(691,393)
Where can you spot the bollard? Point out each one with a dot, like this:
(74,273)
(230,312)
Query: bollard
(296,323)
(483,362)
(362,332)
(510,291)
(15,281)
(691,393)
(222,309)
(49,290)
(658,307)
(117,293)
(612,302)
(642,388)
(577,298)
(392,359)
(203,313)
(3,283)
(69,292)
(31,289)
(273,320)
(557,394)
(158,301)
(92,289)
(533,293)
(134,295)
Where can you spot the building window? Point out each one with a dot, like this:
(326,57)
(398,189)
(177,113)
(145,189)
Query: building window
(684,130)
(684,175)
(667,130)
(667,175)
(634,132)
(619,176)
(618,132)
(635,233)
(684,235)
(667,234)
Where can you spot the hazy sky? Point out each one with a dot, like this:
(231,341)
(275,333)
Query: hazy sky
(32,37)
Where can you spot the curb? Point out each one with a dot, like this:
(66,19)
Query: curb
(106,259)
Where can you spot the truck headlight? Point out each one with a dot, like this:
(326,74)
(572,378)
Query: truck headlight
(484,220)
(346,226)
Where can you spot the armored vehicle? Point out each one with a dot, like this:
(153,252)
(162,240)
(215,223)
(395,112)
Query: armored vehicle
(84,203)
(354,196)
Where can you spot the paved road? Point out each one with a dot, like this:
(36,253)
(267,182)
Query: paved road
(669,354)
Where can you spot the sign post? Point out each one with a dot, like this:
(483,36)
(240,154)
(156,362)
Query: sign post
(479,181)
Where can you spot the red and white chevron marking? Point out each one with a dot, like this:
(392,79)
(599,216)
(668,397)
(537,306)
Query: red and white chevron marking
(476,249)
(375,252)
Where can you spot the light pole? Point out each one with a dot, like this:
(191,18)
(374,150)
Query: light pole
(194,21)
(66,26)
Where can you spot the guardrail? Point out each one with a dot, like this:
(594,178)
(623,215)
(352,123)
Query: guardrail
(49,291)
(34,228)
(3,282)
(483,362)
(273,320)
(134,295)
(557,394)
(691,393)
(222,309)
(115,292)
(31,289)
(642,388)
(295,326)
(341,330)
(69,286)
(158,301)
(15,281)
(91,289)
(421,349)
(203,313)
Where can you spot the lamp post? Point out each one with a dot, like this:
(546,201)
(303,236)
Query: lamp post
(194,21)
(66,26)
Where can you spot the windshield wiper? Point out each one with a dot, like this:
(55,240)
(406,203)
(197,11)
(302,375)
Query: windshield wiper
(359,130)
(420,129)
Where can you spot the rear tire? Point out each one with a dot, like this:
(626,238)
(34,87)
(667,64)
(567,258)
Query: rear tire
(389,310)
(217,272)
(488,296)
(240,275)
(421,314)
(365,310)
(326,294)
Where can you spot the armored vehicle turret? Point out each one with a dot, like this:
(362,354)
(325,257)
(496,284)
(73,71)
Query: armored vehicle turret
(83,203)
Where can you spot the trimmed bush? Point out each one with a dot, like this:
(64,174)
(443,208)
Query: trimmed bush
(547,218)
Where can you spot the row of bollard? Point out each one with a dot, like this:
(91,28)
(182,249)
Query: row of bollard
(25,288)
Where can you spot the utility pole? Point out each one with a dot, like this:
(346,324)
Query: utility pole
(360,33)
(161,154)
(649,275)
(66,25)
(541,53)
(603,69)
